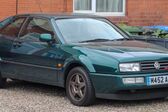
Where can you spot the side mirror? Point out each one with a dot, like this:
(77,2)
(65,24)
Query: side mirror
(45,37)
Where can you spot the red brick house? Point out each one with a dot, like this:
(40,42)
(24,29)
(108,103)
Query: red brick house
(133,12)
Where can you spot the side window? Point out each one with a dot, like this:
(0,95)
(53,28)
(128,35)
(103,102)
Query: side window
(34,28)
(13,28)
(5,22)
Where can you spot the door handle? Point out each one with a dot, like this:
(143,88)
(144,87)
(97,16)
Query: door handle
(17,44)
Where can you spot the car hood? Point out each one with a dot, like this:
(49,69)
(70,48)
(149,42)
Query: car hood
(126,50)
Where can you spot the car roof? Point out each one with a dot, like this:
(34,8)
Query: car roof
(60,15)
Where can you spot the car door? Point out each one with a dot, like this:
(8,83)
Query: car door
(35,60)
(8,33)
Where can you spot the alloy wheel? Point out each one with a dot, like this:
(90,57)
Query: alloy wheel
(77,87)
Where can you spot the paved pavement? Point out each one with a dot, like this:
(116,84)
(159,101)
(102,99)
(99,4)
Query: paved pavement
(29,97)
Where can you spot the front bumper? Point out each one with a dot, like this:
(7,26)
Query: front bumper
(109,86)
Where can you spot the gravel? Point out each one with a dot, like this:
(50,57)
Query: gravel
(29,97)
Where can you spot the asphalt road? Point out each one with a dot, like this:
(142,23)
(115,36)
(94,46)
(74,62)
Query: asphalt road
(29,97)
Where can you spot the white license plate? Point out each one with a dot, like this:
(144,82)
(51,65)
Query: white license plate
(157,80)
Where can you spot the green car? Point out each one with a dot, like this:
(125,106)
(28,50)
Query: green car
(87,55)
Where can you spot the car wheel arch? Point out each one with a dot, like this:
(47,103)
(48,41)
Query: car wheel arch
(72,65)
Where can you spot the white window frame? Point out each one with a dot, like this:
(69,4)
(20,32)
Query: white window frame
(93,10)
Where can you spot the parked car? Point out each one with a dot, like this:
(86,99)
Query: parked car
(87,55)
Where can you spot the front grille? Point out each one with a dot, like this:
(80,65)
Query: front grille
(149,66)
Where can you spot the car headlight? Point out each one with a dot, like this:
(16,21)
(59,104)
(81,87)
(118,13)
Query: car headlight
(129,67)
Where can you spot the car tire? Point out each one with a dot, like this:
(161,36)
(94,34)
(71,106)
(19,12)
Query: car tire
(79,88)
(2,82)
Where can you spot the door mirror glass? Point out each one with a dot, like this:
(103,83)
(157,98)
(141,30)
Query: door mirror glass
(45,37)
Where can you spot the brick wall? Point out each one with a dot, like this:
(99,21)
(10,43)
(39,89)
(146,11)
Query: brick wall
(148,12)
(138,12)
(48,6)
(8,7)
(145,12)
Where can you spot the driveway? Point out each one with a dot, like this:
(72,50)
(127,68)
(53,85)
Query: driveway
(29,97)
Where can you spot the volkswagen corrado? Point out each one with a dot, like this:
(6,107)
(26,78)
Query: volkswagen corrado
(87,55)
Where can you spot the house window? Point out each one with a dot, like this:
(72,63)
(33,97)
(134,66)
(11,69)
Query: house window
(83,5)
(102,7)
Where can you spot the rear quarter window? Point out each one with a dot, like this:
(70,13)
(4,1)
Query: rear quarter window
(5,22)
(12,28)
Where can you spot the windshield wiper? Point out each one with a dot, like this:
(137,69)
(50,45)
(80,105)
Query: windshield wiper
(104,40)
(120,39)
(96,40)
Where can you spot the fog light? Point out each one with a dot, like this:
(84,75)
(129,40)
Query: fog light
(139,80)
(136,80)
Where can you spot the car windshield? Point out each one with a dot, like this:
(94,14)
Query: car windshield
(79,30)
